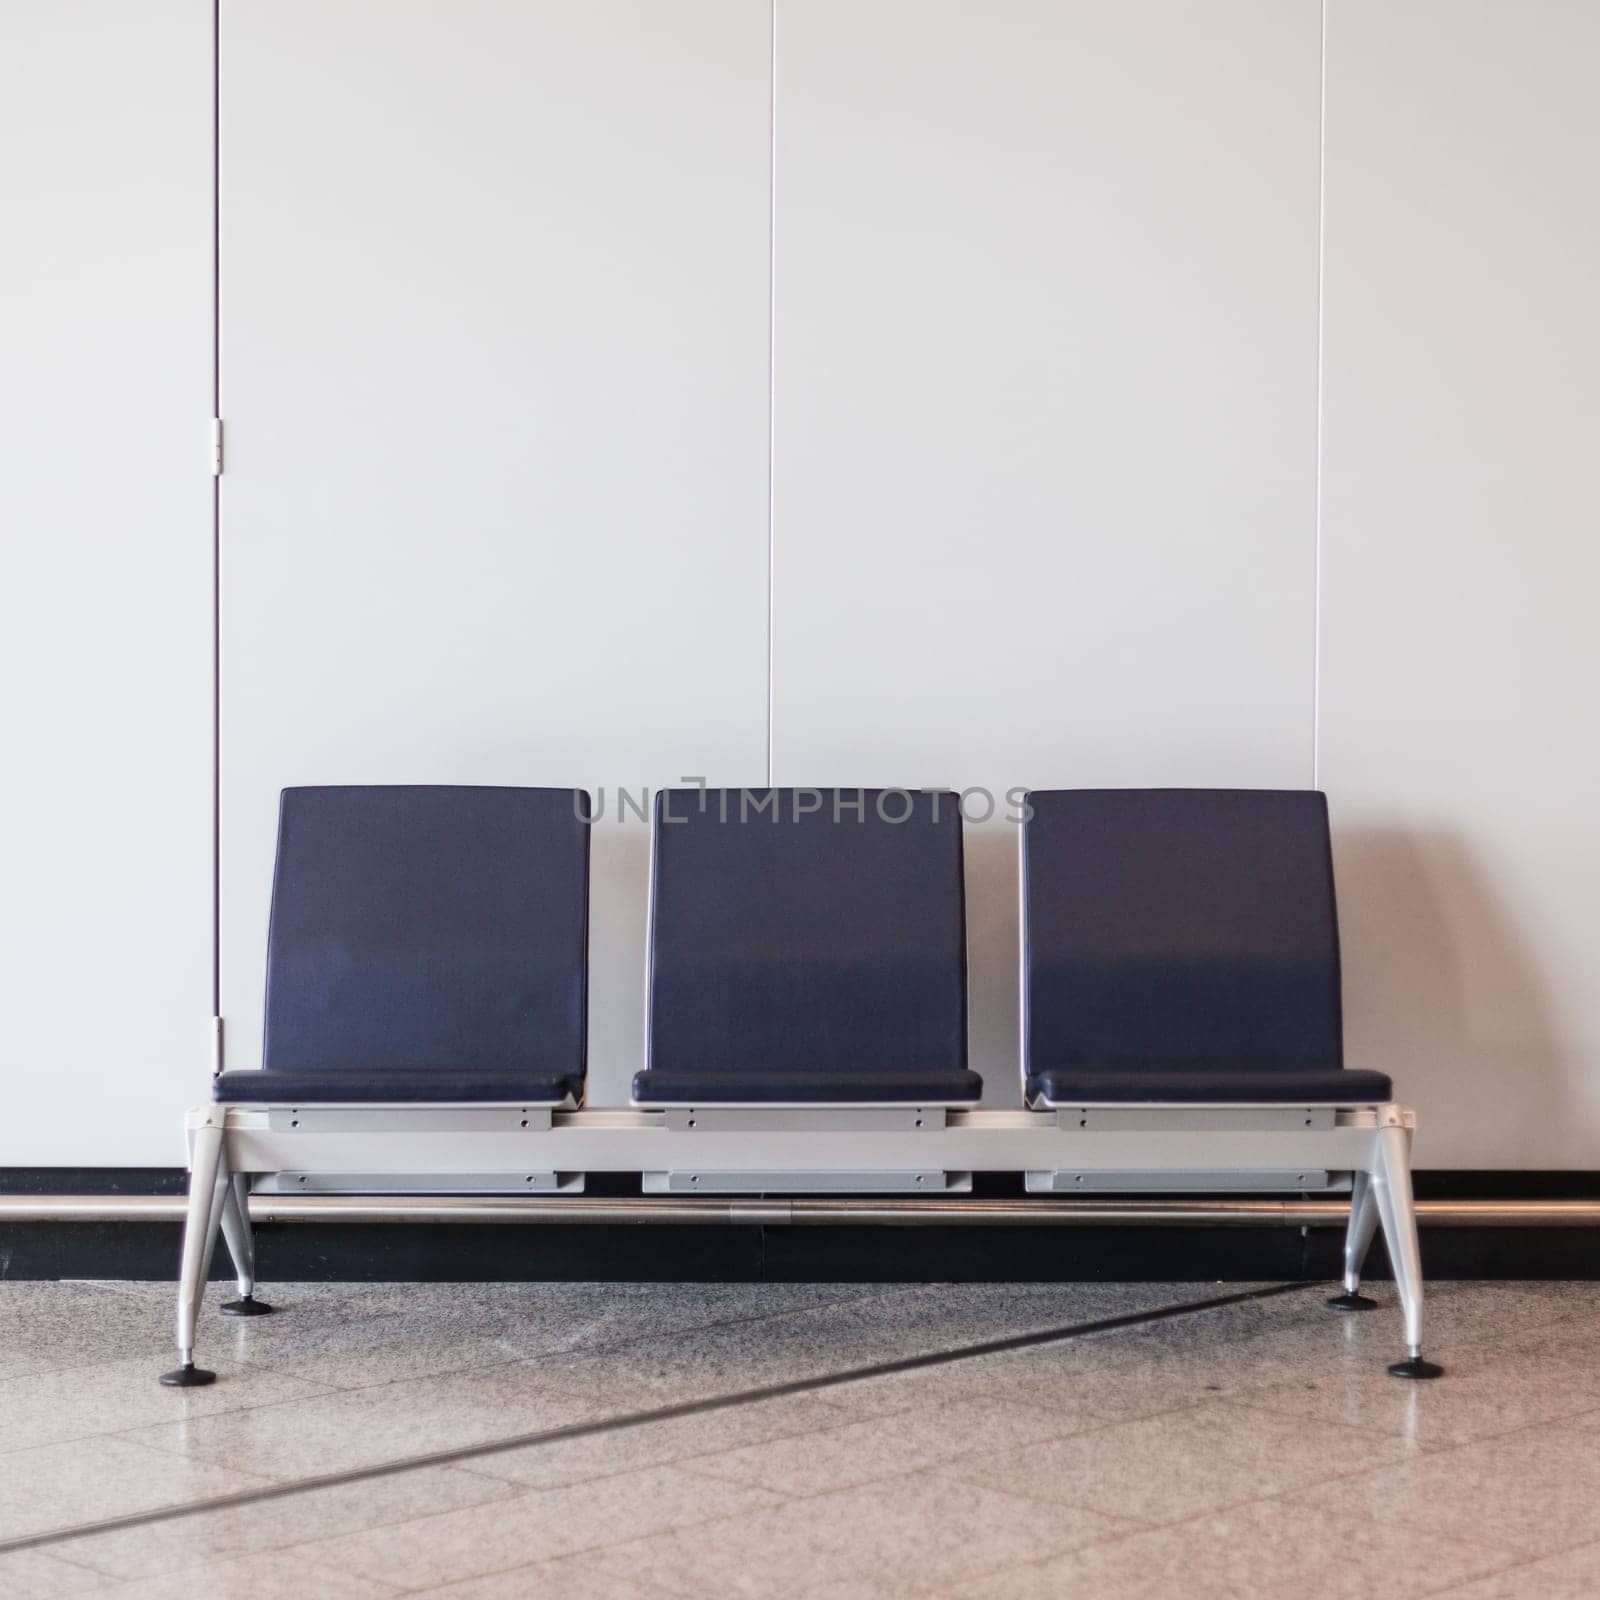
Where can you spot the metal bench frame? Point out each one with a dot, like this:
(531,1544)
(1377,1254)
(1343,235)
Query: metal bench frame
(504,1148)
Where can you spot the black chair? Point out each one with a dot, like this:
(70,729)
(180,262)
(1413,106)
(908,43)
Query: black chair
(426,983)
(807,948)
(1182,945)
(1180,952)
(426,944)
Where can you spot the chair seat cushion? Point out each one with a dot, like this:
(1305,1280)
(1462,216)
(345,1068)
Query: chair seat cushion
(863,1085)
(1243,1085)
(398,1085)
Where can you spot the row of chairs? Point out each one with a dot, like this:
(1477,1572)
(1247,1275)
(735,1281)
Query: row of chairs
(806,1007)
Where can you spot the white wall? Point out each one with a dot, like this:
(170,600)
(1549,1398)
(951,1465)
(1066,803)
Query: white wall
(1087,465)
(1046,409)
(105,598)
(1461,563)
(494,355)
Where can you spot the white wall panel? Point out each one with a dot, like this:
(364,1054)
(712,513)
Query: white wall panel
(495,367)
(494,364)
(1045,407)
(105,602)
(1461,560)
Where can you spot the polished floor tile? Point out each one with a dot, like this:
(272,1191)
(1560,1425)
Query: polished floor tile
(579,1577)
(264,1577)
(653,1444)
(1532,1492)
(881,1447)
(919,1531)
(362,1358)
(56,1407)
(1142,1370)
(39,1575)
(61,1485)
(380,1340)
(153,1549)
(1258,1552)
(1172,1466)
(53,1327)
(782,1349)
(344,1430)
(1572,1575)
(1492,1388)
(537,1525)
(1248,1449)
(969,1313)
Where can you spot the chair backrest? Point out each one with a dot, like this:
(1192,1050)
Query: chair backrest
(1179,928)
(428,927)
(807,942)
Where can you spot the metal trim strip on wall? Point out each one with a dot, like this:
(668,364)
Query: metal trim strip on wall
(934,1211)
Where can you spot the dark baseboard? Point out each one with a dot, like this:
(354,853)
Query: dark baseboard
(424,1252)
(93,1180)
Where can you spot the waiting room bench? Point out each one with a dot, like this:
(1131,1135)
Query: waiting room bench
(806,999)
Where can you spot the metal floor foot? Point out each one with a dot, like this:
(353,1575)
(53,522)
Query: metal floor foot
(1415,1367)
(188,1376)
(248,1306)
(1351,1302)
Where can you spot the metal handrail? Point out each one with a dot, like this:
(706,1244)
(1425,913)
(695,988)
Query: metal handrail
(823,1211)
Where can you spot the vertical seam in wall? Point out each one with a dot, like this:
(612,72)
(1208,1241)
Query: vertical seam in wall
(216,517)
(772,344)
(1322,233)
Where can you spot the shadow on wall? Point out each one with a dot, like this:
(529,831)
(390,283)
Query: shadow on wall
(619,875)
(1442,990)
(994,1043)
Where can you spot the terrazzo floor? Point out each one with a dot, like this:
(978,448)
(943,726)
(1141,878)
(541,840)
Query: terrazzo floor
(1248,1448)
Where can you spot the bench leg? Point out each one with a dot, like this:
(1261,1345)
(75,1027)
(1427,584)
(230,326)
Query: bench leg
(208,1187)
(1357,1241)
(242,1247)
(1391,1186)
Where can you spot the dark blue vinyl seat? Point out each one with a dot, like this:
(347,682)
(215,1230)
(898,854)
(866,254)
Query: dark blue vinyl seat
(802,956)
(1183,945)
(427,944)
